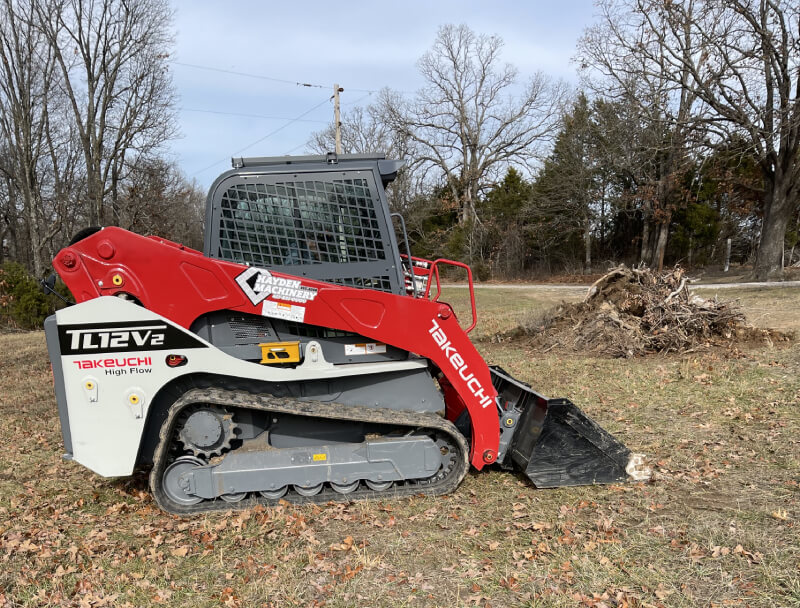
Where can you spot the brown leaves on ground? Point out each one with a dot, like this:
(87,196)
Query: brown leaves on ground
(717,526)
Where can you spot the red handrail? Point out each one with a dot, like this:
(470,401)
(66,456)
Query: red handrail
(435,271)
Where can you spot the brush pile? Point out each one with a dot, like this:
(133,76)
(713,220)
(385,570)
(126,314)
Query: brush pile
(635,311)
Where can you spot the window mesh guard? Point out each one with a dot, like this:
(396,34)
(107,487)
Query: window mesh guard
(300,222)
(322,225)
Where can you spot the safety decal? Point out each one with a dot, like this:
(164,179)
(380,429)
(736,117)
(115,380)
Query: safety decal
(259,284)
(282,310)
(369,348)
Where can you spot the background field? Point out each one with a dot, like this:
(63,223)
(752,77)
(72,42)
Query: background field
(718,526)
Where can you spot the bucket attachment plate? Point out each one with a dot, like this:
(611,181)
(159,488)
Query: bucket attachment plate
(554,443)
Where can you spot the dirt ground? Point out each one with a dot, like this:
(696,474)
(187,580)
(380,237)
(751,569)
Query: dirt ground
(717,526)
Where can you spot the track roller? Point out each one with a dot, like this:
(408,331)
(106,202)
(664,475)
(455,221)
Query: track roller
(234,498)
(274,494)
(308,490)
(378,486)
(345,488)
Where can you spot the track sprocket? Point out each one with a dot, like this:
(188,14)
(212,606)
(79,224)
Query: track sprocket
(207,431)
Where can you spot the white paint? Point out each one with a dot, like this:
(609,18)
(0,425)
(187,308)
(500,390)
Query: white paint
(106,434)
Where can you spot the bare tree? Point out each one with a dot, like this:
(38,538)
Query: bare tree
(625,49)
(27,83)
(362,133)
(157,199)
(112,57)
(464,127)
(740,60)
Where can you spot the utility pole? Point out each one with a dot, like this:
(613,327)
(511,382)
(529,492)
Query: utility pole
(336,118)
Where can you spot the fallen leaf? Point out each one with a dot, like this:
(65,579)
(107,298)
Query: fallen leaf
(780,514)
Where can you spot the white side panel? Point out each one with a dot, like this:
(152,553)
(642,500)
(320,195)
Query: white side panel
(110,391)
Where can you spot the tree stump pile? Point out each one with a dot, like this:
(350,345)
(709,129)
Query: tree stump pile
(635,311)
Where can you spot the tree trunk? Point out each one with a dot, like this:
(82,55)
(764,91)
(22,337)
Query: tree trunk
(466,210)
(645,254)
(603,217)
(587,239)
(29,211)
(661,246)
(777,212)
(92,207)
(794,243)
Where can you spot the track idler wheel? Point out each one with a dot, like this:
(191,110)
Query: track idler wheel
(175,485)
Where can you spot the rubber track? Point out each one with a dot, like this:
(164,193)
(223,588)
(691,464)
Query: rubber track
(311,409)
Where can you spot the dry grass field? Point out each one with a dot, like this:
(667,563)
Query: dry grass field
(719,525)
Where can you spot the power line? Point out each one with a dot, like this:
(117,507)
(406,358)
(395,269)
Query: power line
(260,77)
(293,149)
(326,122)
(249,115)
(268,135)
(360,99)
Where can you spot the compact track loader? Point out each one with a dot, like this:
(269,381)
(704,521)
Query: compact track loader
(300,356)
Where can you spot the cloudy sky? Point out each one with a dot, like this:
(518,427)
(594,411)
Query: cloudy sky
(236,65)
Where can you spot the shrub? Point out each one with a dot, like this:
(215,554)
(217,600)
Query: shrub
(23,304)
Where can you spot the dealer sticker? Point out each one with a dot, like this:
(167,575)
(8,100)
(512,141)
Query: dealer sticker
(283,310)
(369,348)
(259,284)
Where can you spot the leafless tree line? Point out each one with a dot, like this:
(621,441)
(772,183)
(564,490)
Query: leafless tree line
(681,81)
(713,72)
(471,120)
(86,104)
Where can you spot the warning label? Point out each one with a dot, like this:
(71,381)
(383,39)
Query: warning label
(369,348)
(282,310)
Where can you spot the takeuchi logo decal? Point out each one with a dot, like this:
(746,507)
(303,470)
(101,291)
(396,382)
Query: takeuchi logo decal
(259,284)
(458,363)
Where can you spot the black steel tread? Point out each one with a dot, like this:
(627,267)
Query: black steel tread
(313,409)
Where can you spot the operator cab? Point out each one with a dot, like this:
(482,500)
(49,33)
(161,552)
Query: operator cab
(321,217)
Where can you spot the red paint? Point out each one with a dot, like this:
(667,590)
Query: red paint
(105,250)
(69,260)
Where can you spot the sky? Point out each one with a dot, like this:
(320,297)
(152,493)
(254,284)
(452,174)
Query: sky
(236,66)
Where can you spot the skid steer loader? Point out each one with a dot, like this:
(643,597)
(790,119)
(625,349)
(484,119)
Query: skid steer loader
(300,356)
